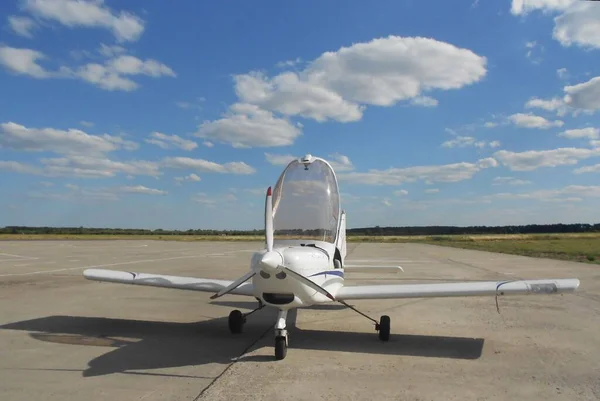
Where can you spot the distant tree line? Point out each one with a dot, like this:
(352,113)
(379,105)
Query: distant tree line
(470,230)
(367,231)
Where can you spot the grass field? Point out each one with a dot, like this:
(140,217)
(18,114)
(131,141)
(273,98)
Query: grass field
(584,247)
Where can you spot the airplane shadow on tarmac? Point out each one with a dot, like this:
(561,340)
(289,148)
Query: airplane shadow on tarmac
(139,345)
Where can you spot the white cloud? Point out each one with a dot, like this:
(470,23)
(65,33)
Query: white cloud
(520,7)
(191,177)
(577,22)
(207,166)
(380,72)
(72,141)
(208,144)
(554,104)
(125,26)
(83,166)
(112,75)
(532,121)
(288,94)
(401,192)
(77,194)
(140,189)
(588,169)
(462,142)
(18,167)
(571,193)
(562,73)
(468,141)
(130,65)
(279,160)
(589,133)
(595,143)
(204,199)
(584,96)
(22,26)
(531,46)
(289,63)
(425,101)
(432,191)
(23,61)
(340,162)
(441,173)
(534,159)
(386,70)
(111,50)
(96,167)
(510,181)
(86,124)
(579,25)
(247,125)
(386,202)
(171,141)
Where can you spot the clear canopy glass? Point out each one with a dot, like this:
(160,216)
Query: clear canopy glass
(306,203)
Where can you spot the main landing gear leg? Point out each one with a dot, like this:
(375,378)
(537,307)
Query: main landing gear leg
(237,318)
(383,326)
(281,335)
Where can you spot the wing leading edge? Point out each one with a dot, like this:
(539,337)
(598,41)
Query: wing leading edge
(159,280)
(465,289)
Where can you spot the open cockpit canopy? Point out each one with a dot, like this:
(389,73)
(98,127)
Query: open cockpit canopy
(306,201)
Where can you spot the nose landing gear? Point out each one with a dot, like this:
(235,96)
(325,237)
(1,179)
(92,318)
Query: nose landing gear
(281,336)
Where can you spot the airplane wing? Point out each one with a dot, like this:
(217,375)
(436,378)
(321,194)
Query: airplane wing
(466,289)
(159,280)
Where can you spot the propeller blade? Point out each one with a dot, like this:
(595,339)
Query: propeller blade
(269,220)
(234,285)
(308,282)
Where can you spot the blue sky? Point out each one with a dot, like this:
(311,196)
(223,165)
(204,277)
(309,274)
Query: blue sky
(154,115)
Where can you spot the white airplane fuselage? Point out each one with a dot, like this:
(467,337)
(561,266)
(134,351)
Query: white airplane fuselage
(314,262)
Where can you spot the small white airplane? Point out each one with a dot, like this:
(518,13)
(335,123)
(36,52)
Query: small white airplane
(304,260)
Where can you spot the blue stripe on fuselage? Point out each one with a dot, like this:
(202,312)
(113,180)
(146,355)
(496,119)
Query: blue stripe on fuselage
(332,272)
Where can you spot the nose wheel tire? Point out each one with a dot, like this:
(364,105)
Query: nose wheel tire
(280,347)
(384,328)
(236,321)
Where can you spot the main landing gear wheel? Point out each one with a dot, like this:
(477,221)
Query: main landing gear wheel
(384,328)
(280,347)
(236,321)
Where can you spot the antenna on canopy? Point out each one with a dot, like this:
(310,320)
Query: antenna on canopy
(306,160)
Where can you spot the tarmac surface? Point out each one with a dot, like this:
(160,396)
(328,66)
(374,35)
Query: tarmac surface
(67,338)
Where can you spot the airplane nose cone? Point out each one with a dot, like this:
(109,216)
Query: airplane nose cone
(271,260)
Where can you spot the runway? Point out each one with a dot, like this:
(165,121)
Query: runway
(66,338)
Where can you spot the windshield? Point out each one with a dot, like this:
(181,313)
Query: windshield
(306,203)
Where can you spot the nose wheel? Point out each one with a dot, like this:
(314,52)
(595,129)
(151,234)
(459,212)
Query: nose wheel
(281,336)
(280,347)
